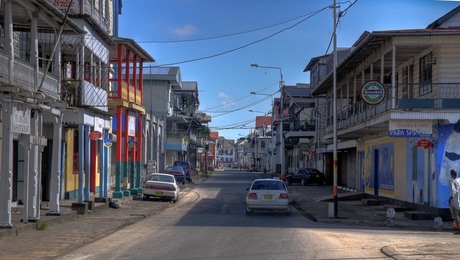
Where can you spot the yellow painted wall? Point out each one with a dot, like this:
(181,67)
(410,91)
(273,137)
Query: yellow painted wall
(71,179)
(399,164)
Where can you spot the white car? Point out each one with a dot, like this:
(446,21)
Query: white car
(163,186)
(268,194)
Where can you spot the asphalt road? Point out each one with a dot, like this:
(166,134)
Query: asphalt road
(210,223)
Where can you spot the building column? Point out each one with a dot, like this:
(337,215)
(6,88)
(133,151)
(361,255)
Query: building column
(86,150)
(139,154)
(81,163)
(32,177)
(102,177)
(118,174)
(106,165)
(6,174)
(125,141)
(55,182)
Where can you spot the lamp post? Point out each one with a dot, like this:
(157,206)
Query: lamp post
(281,85)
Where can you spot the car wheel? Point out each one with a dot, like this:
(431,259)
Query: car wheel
(248,211)
(303,182)
(289,212)
(287,181)
(183,182)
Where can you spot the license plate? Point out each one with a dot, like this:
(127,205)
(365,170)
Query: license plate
(268,197)
(158,193)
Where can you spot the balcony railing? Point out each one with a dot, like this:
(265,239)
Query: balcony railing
(23,77)
(133,95)
(441,97)
(83,95)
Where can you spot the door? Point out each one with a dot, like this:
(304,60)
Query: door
(376,162)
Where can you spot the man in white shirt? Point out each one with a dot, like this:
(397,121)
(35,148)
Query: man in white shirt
(454,200)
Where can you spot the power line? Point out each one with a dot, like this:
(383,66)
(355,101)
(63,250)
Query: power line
(246,45)
(226,35)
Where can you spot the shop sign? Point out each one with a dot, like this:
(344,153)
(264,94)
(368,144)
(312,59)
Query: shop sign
(292,140)
(63,5)
(424,143)
(21,120)
(108,143)
(410,128)
(95,135)
(131,126)
(373,92)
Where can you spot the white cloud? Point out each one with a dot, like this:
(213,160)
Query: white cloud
(222,95)
(185,30)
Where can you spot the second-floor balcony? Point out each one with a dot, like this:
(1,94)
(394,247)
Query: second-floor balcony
(125,92)
(22,77)
(83,94)
(440,102)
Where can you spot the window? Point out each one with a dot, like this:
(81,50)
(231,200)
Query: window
(426,63)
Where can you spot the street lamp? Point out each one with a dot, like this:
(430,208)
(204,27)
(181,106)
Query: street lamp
(265,113)
(281,85)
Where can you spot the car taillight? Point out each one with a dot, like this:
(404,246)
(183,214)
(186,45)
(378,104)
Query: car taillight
(284,196)
(252,196)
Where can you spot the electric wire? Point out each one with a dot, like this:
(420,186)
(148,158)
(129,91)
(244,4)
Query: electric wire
(227,35)
(245,45)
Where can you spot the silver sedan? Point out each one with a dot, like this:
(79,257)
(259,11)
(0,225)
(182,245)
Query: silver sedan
(268,195)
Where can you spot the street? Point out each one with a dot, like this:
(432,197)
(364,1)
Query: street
(210,223)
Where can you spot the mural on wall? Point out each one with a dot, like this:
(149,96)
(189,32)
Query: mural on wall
(448,158)
(379,171)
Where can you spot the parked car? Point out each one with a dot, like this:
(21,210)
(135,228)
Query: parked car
(235,165)
(268,194)
(253,168)
(306,176)
(177,172)
(163,186)
(187,169)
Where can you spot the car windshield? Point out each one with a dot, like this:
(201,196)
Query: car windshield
(313,170)
(268,185)
(174,169)
(163,178)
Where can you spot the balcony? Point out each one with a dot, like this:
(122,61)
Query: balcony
(23,77)
(123,94)
(86,94)
(441,102)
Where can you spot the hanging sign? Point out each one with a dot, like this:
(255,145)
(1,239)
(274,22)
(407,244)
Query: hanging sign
(108,143)
(95,135)
(373,92)
(424,143)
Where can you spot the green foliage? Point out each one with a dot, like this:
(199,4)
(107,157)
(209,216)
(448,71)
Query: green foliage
(42,225)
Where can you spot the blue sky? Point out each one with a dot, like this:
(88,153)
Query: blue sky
(215,41)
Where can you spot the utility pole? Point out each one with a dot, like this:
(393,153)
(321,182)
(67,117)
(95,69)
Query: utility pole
(334,110)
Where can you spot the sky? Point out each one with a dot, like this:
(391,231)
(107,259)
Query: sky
(214,42)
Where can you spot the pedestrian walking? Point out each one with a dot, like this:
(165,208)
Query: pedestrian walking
(454,200)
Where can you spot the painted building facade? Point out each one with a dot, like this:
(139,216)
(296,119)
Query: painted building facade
(397,112)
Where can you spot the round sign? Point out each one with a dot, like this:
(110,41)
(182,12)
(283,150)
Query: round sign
(424,143)
(95,135)
(108,143)
(373,92)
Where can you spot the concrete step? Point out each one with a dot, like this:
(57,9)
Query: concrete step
(419,215)
(371,202)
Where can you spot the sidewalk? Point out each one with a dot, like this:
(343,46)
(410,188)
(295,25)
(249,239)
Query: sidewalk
(71,230)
